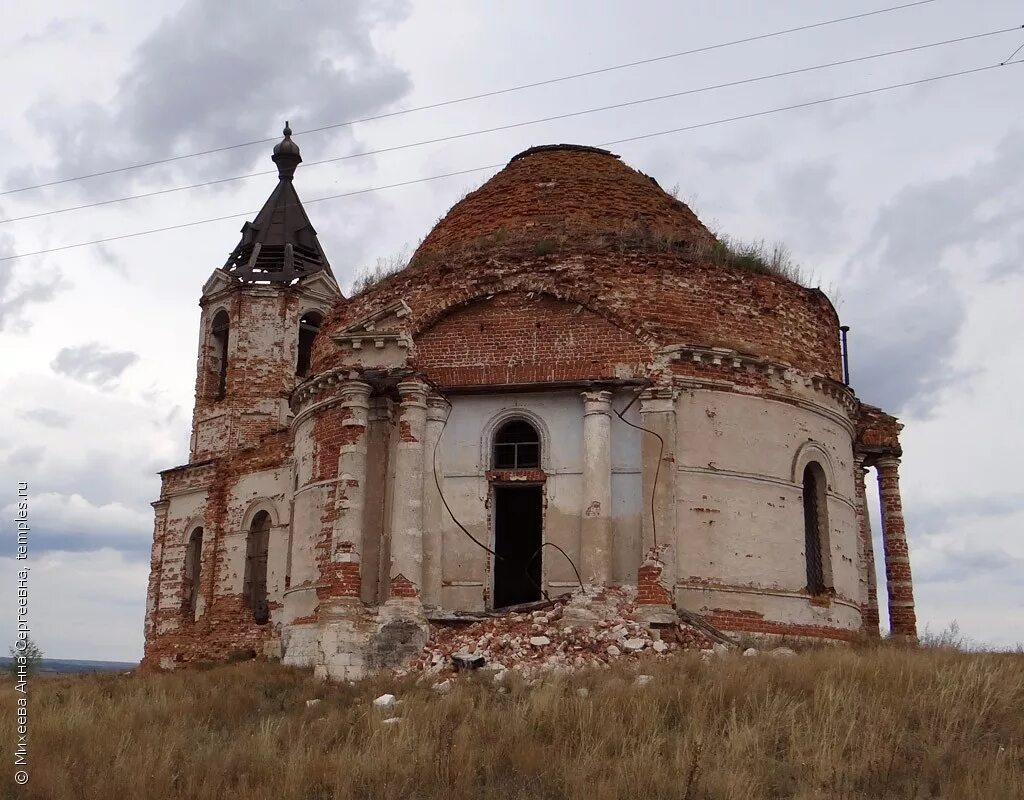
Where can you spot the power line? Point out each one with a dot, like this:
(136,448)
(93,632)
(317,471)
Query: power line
(510,126)
(1010,58)
(479,96)
(752,115)
(805,105)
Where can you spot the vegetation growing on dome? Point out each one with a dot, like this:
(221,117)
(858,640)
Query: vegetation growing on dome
(385,267)
(755,256)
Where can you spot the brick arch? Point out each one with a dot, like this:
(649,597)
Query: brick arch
(517,337)
(539,285)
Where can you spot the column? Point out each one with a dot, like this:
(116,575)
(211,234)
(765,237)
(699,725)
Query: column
(350,492)
(902,619)
(433,506)
(406,577)
(866,551)
(596,523)
(657,575)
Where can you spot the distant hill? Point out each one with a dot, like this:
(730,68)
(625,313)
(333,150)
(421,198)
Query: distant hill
(69,665)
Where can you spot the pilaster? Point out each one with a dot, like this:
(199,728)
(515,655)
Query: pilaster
(658,473)
(406,576)
(433,506)
(596,522)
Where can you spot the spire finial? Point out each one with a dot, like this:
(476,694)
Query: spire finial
(286,154)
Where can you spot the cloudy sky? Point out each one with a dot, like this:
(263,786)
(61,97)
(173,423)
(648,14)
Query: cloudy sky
(907,205)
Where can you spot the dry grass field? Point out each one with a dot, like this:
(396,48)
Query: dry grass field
(874,723)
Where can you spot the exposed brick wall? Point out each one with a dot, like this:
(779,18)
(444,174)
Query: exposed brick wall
(516,475)
(332,431)
(559,195)
(403,587)
(651,589)
(496,241)
(751,622)
(658,297)
(877,432)
(513,338)
(226,625)
(262,353)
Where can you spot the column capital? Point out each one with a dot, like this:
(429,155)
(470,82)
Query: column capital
(887,462)
(413,393)
(599,402)
(658,399)
(437,408)
(355,393)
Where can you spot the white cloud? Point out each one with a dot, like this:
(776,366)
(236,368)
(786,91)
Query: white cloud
(81,605)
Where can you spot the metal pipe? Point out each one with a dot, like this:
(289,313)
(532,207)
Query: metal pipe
(843,330)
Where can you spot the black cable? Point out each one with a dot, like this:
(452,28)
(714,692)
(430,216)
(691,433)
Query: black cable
(752,115)
(529,563)
(661,453)
(482,95)
(437,480)
(514,125)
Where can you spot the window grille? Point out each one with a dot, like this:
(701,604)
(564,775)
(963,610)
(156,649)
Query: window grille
(812,532)
(516,446)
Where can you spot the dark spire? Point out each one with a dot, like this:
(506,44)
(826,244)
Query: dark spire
(280,245)
(286,155)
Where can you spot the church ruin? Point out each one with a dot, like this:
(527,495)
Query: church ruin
(564,387)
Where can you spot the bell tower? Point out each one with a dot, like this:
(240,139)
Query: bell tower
(260,313)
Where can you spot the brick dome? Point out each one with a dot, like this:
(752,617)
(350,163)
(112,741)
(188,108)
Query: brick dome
(565,196)
(576,225)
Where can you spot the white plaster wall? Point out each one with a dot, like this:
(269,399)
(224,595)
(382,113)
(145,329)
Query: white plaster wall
(269,491)
(740,524)
(627,491)
(464,456)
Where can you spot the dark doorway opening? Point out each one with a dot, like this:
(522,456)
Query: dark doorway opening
(518,533)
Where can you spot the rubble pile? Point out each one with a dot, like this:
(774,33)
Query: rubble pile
(584,629)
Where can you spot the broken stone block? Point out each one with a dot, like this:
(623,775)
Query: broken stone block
(385,701)
(467,661)
(750,652)
(443,687)
(391,721)
(642,680)
(784,652)
(613,651)
(659,646)
(634,644)
(539,641)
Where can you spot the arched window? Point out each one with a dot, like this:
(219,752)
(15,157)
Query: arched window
(516,446)
(219,332)
(309,327)
(254,589)
(816,529)
(193,568)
